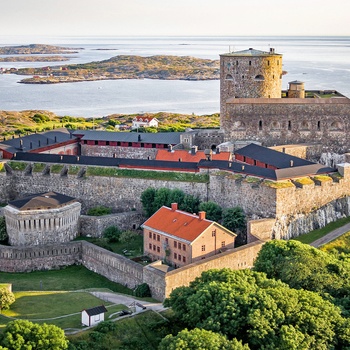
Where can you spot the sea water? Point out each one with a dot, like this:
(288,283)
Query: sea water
(321,62)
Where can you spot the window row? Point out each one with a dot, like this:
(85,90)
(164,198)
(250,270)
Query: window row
(179,246)
(179,257)
(154,247)
(154,236)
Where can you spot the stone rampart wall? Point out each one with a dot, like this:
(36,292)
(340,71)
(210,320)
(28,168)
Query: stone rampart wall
(236,259)
(45,257)
(93,226)
(115,267)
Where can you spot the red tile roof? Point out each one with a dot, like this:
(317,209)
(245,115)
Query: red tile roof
(143,119)
(186,156)
(177,223)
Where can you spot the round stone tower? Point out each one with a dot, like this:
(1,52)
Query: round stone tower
(296,89)
(250,74)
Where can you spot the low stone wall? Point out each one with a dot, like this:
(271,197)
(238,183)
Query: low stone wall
(118,152)
(45,257)
(93,226)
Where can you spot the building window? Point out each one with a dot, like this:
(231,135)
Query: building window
(318,125)
(175,255)
(179,257)
(184,247)
(96,142)
(150,235)
(260,124)
(154,247)
(175,244)
(184,259)
(150,246)
(158,238)
(107,143)
(250,63)
(158,249)
(154,236)
(223,244)
(179,246)
(203,248)
(213,233)
(289,125)
(166,241)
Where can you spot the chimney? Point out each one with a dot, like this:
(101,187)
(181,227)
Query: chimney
(170,148)
(201,215)
(194,150)
(173,206)
(217,150)
(272,50)
(39,143)
(21,144)
(291,163)
(47,140)
(138,137)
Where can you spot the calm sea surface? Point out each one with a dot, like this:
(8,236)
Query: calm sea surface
(321,62)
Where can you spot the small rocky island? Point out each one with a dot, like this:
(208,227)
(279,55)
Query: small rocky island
(36,49)
(126,67)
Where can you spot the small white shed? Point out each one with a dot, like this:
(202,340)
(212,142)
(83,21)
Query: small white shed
(93,316)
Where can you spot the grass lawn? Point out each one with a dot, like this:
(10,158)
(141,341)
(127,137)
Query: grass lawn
(310,237)
(67,279)
(141,332)
(53,308)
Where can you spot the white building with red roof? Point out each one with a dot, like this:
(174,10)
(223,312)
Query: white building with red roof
(180,238)
(144,122)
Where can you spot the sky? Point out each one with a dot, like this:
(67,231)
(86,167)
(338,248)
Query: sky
(174,17)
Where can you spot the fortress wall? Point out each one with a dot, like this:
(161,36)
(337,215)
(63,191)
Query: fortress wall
(95,225)
(115,267)
(121,194)
(118,151)
(294,200)
(45,257)
(286,121)
(253,198)
(236,259)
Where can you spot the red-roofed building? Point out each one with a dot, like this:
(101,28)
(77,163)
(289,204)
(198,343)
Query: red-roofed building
(144,122)
(180,238)
(191,156)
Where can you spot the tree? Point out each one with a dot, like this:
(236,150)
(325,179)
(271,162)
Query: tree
(142,290)
(190,204)
(213,210)
(22,334)
(262,312)
(127,236)
(234,219)
(147,200)
(161,198)
(199,339)
(6,299)
(112,234)
(176,196)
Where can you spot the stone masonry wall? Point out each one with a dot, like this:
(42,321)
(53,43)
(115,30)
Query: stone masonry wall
(45,257)
(284,121)
(118,152)
(94,226)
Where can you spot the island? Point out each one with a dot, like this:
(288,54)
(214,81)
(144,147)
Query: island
(126,67)
(34,59)
(36,49)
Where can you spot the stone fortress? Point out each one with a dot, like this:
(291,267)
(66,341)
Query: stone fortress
(253,108)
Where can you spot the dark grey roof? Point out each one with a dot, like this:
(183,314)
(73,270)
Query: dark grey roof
(159,137)
(104,161)
(278,174)
(36,141)
(251,52)
(47,200)
(269,156)
(236,167)
(96,310)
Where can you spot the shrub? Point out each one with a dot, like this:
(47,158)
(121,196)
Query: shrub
(99,211)
(142,290)
(3,231)
(112,234)
(40,118)
(106,326)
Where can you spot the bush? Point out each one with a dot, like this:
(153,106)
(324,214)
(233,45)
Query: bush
(106,326)
(99,211)
(40,118)
(142,290)
(3,231)
(112,234)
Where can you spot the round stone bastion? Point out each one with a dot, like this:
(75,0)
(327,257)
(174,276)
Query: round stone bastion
(43,218)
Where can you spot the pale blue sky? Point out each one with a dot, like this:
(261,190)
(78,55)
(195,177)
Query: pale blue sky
(174,17)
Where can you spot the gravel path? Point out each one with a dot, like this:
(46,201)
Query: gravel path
(331,236)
